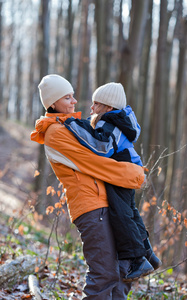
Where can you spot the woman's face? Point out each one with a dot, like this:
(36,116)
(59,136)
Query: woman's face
(98,108)
(65,104)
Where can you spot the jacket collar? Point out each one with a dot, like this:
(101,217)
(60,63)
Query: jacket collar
(43,123)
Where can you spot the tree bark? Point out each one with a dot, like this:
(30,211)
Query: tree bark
(171,117)
(43,37)
(180,117)
(70,22)
(18,83)
(32,91)
(8,86)
(143,99)
(132,50)
(158,108)
(43,55)
(1,70)
(58,36)
(158,111)
(83,71)
(104,24)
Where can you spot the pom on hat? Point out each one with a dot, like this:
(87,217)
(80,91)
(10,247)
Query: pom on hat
(52,88)
(111,94)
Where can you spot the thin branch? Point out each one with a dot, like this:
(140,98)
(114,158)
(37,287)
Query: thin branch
(164,156)
(159,158)
(171,267)
(49,239)
(59,254)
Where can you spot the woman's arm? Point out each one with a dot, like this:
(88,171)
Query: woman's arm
(62,147)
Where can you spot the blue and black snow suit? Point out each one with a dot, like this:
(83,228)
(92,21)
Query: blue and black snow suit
(113,137)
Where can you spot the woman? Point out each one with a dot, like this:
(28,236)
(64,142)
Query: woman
(82,174)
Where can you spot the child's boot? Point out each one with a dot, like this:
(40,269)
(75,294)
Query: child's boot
(139,267)
(151,256)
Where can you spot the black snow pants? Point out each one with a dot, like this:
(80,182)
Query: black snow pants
(127,224)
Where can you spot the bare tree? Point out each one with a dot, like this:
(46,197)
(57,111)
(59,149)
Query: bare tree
(143,99)
(18,82)
(69,30)
(43,59)
(131,51)
(9,57)
(104,26)
(1,79)
(58,31)
(83,70)
(179,116)
(159,107)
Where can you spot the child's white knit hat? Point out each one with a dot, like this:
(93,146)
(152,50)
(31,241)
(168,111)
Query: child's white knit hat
(111,94)
(52,88)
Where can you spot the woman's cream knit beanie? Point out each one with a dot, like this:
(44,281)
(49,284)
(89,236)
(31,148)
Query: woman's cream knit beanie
(52,88)
(111,94)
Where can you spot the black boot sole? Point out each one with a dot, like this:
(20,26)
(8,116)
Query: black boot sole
(136,278)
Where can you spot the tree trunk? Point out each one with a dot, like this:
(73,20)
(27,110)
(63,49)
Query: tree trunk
(104,25)
(132,50)
(58,37)
(180,117)
(70,22)
(83,72)
(158,112)
(158,109)
(43,52)
(144,100)
(171,121)
(43,35)
(32,92)
(10,50)
(18,83)
(1,70)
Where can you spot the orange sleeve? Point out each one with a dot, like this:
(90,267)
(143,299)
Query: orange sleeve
(124,174)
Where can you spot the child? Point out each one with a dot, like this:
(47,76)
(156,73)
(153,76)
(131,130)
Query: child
(112,130)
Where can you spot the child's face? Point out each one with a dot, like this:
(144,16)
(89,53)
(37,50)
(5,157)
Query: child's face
(98,108)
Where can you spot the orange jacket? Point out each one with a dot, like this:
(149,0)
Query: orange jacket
(81,171)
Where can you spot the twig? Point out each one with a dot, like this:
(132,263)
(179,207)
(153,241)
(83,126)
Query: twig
(171,267)
(60,249)
(164,156)
(59,255)
(49,239)
(159,158)
(150,159)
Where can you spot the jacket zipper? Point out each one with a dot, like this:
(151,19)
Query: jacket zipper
(96,185)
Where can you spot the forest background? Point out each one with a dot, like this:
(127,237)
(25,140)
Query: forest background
(143,45)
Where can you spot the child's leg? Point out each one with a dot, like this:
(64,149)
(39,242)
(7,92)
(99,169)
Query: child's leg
(129,241)
(137,218)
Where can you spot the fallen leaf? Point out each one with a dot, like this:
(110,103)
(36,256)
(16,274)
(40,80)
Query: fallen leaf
(36,173)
